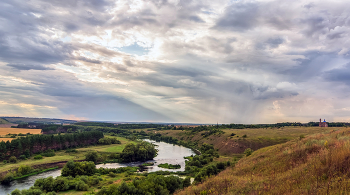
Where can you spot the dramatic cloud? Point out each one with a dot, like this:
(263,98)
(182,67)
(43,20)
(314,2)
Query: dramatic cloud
(175,61)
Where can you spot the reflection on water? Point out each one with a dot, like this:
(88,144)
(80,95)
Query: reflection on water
(27,182)
(167,153)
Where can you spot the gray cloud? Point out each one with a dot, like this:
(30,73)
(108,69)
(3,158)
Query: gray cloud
(240,61)
(239,17)
(28,67)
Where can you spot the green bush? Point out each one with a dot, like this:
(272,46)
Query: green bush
(78,168)
(8,178)
(248,152)
(13,159)
(5,161)
(16,192)
(108,141)
(27,153)
(187,182)
(81,186)
(23,157)
(37,157)
(24,169)
(111,174)
(49,153)
(91,156)
(71,151)
(244,136)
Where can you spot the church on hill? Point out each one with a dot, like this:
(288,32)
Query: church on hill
(323,124)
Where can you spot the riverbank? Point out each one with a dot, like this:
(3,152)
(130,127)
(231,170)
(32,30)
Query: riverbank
(35,173)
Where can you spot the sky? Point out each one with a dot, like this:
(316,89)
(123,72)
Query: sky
(225,61)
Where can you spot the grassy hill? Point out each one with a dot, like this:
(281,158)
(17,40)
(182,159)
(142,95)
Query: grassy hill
(236,141)
(317,164)
(3,121)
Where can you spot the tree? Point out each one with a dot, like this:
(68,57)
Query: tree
(91,156)
(13,159)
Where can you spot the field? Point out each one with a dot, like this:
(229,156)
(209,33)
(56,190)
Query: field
(5,131)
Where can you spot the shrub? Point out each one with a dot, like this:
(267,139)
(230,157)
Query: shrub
(244,136)
(248,152)
(71,151)
(233,134)
(8,178)
(220,165)
(24,169)
(114,156)
(95,180)
(91,156)
(13,159)
(27,153)
(61,184)
(78,168)
(5,161)
(49,153)
(187,182)
(108,141)
(111,174)
(81,186)
(16,192)
(37,157)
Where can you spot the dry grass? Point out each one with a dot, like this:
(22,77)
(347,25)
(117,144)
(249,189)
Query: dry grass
(317,164)
(5,131)
(256,138)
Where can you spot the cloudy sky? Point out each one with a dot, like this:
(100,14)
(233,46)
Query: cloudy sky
(231,61)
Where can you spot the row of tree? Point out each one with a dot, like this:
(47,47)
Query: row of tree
(39,143)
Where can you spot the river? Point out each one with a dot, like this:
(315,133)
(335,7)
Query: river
(167,153)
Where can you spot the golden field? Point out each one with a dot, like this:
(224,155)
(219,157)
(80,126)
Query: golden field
(5,131)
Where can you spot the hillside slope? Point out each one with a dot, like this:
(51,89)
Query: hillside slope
(236,141)
(317,164)
(3,121)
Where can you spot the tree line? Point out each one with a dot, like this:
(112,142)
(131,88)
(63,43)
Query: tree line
(39,143)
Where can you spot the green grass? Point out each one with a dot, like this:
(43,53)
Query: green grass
(148,164)
(60,156)
(113,148)
(169,166)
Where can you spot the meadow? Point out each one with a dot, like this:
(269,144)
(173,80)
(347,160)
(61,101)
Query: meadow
(114,148)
